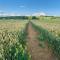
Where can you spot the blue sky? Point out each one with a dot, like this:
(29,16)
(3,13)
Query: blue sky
(50,7)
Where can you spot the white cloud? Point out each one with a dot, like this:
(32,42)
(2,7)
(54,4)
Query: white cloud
(12,14)
(39,14)
(9,14)
(27,15)
(18,14)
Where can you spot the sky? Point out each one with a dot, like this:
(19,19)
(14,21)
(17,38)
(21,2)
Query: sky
(30,7)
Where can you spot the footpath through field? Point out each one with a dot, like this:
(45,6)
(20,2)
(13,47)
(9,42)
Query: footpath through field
(37,52)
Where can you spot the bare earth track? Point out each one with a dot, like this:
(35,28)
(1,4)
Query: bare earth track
(37,52)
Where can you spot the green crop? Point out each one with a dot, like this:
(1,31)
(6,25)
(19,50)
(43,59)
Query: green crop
(53,41)
(13,40)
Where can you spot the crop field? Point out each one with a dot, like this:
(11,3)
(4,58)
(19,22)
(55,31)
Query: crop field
(49,23)
(12,25)
(31,39)
(12,40)
(29,29)
(49,29)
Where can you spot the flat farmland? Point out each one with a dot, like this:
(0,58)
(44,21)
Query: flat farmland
(30,39)
(12,25)
(52,25)
(13,40)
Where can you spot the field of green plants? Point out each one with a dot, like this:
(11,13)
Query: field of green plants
(49,23)
(13,40)
(49,29)
(13,36)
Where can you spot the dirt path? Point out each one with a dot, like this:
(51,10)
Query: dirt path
(37,52)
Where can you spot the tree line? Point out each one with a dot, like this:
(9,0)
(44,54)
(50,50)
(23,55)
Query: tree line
(19,17)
